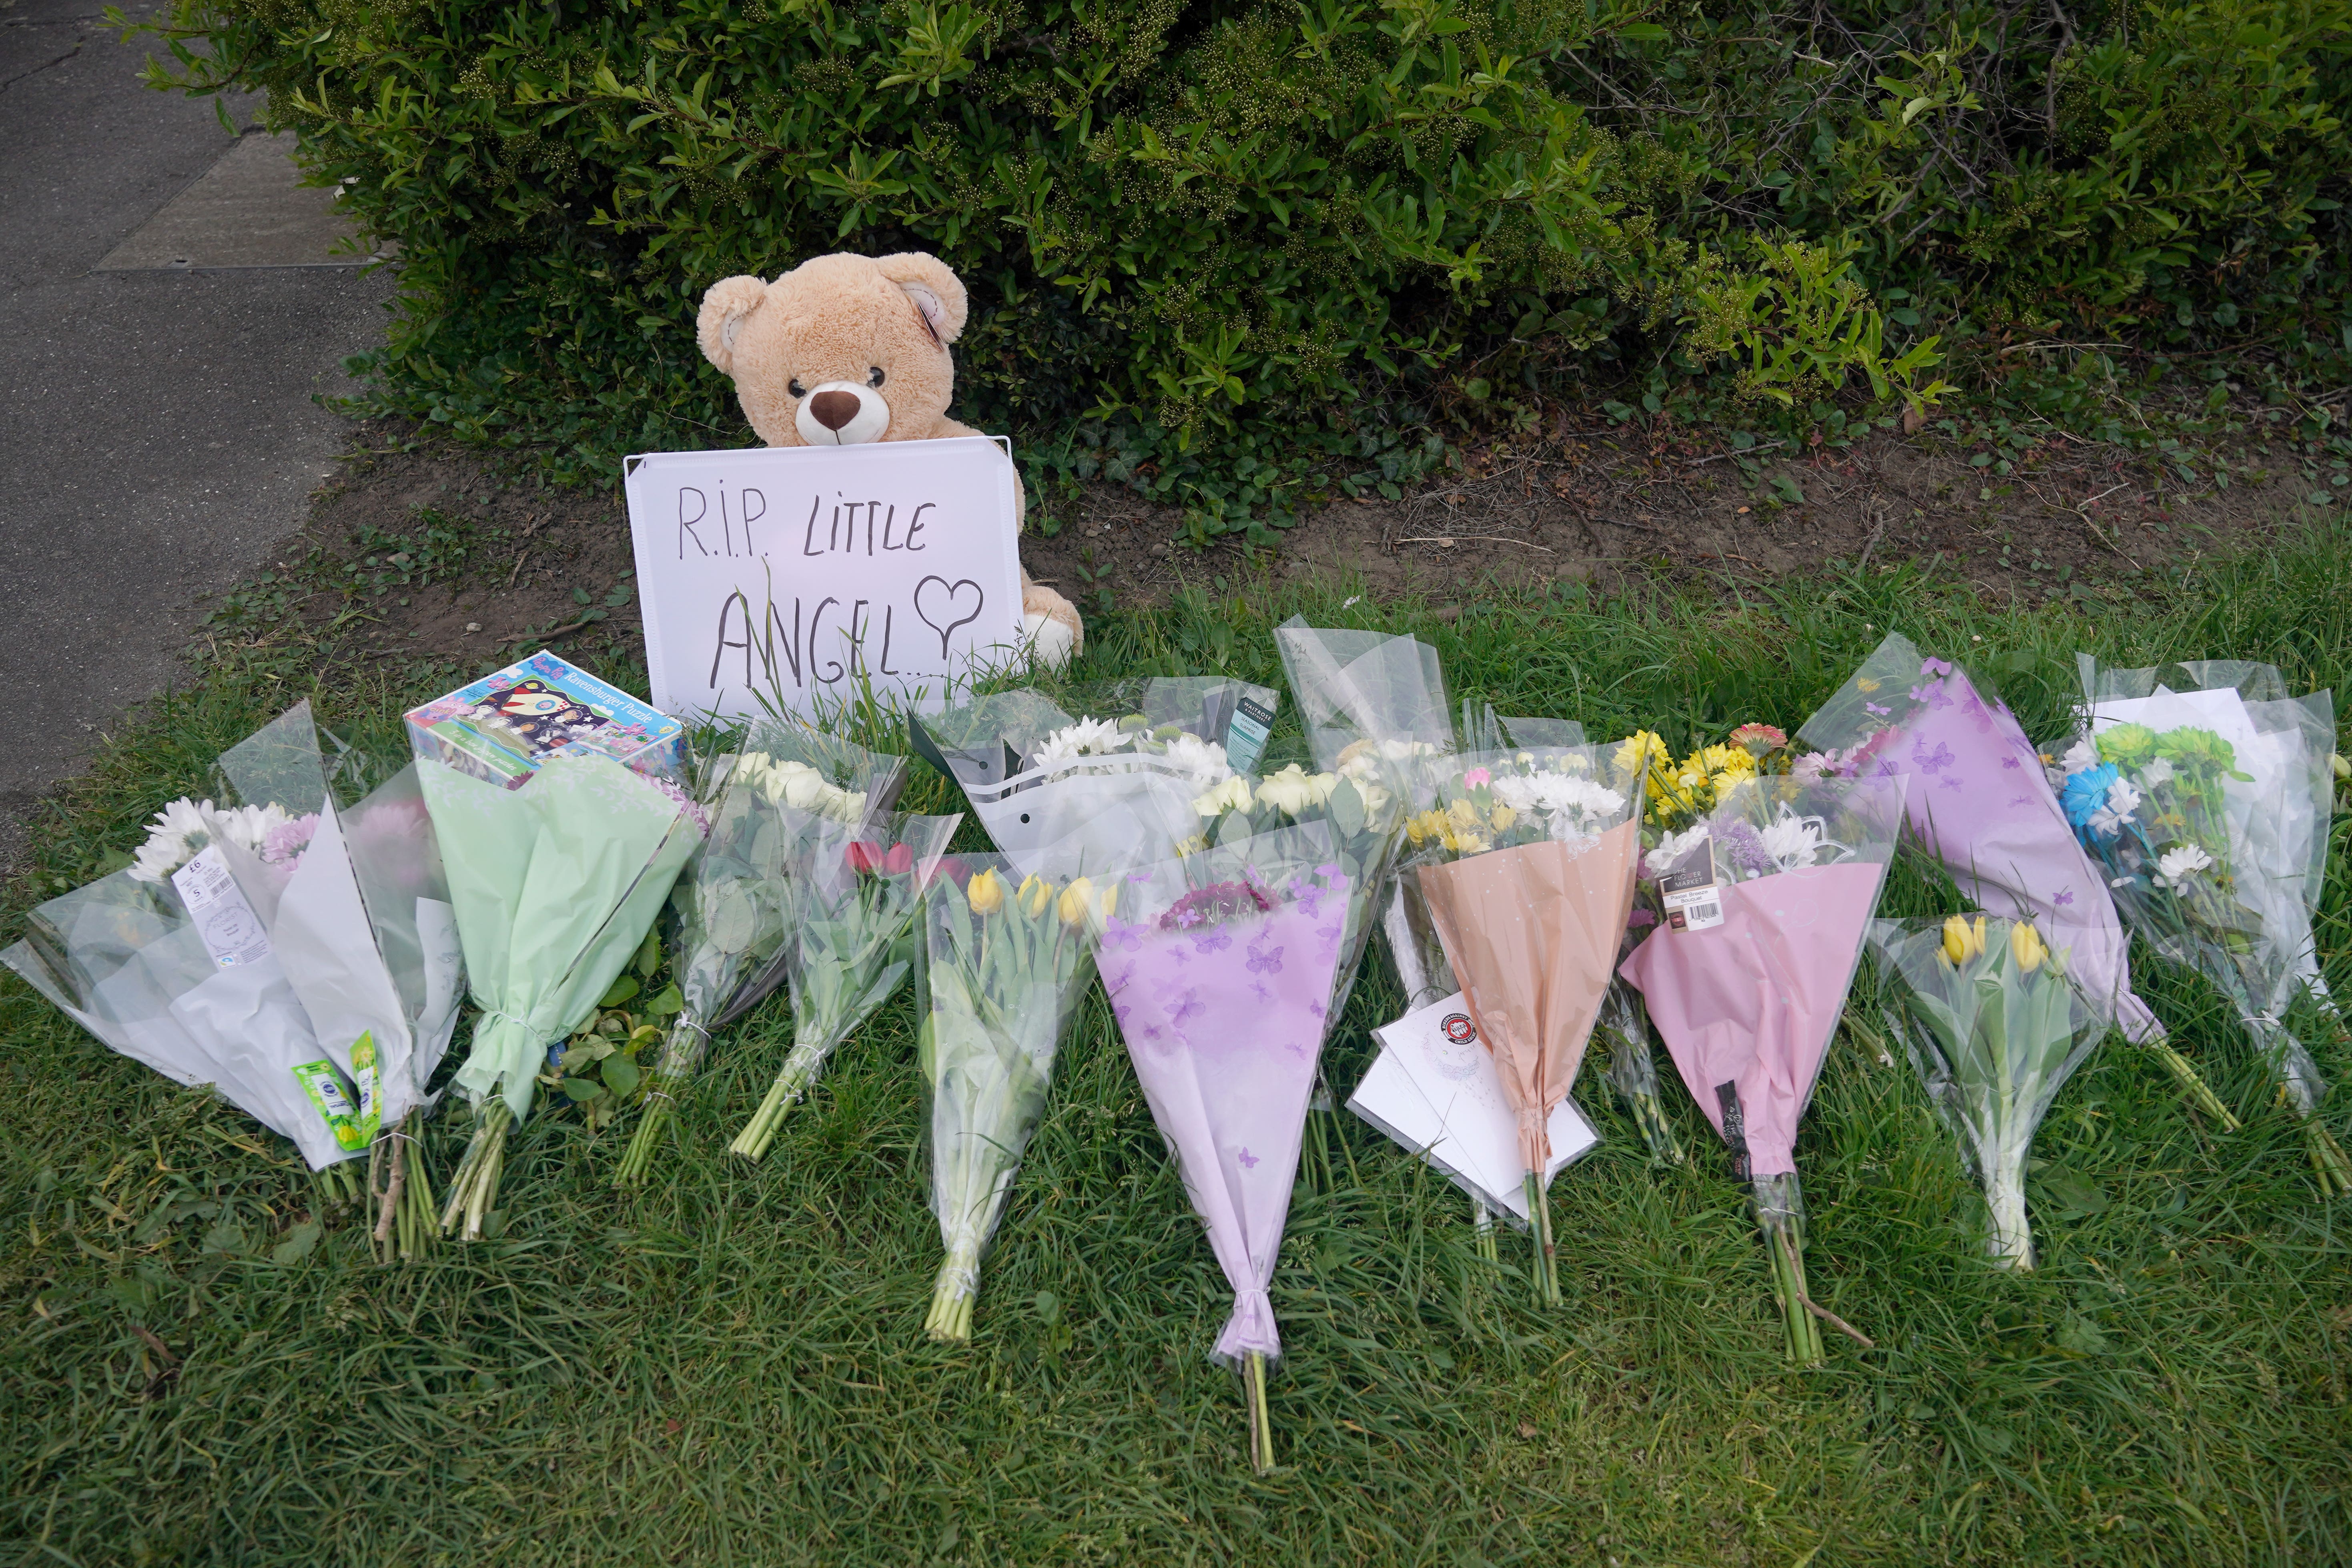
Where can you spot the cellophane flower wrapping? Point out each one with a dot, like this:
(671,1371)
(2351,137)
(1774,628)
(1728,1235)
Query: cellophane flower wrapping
(1768,897)
(322,940)
(1002,963)
(855,891)
(1219,968)
(1978,803)
(1525,861)
(1105,784)
(2207,805)
(733,901)
(1995,1025)
(556,883)
(1374,707)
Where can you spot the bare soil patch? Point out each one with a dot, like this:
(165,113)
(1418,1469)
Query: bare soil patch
(1610,507)
(520,566)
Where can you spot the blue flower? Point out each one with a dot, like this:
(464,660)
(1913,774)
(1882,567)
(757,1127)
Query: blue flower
(2086,793)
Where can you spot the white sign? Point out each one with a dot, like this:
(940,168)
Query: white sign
(799,573)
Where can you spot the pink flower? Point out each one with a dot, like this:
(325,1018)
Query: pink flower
(1477,777)
(282,843)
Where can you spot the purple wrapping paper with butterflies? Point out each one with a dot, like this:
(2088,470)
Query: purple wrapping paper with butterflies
(1980,802)
(1220,968)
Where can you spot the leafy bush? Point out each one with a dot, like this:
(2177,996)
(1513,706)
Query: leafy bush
(1197,222)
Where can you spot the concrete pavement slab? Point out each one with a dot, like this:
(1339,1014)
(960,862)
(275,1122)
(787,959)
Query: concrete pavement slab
(161,427)
(250,209)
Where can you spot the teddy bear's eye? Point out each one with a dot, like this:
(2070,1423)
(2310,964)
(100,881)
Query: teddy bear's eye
(876,378)
(795,388)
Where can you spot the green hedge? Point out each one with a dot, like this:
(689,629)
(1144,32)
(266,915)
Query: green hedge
(1214,225)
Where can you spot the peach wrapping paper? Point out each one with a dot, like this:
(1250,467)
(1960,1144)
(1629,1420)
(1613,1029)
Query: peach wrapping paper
(1532,934)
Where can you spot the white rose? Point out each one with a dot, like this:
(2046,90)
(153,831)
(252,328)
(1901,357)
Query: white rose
(1293,791)
(1232,795)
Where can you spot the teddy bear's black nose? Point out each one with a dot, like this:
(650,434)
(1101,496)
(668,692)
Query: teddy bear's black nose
(833,409)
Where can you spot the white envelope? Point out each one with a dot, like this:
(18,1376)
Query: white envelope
(1433,1090)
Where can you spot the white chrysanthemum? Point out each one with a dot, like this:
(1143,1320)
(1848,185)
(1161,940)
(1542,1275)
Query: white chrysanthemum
(2082,754)
(1203,761)
(178,833)
(1087,738)
(2177,864)
(2156,775)
(2122,798)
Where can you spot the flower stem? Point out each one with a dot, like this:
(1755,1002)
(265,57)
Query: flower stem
(476,1184)
(957,1288)
(1261,1423)
(652,1130)
(2327,1161)
(1482,1225)
(760,1131)
(1546,1263)
(2200,1094)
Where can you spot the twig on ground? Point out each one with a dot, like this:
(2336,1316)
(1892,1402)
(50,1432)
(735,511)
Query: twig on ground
(1810,1305)
(1450,539)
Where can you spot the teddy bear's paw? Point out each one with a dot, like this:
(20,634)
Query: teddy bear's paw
(1049,640)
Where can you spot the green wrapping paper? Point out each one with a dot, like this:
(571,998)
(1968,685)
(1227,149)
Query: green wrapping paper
(555,885)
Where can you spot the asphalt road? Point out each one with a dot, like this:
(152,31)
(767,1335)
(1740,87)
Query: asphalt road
(159,427)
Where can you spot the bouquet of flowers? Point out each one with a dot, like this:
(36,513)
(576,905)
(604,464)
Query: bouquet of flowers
(854,893)
(1001,967)
(556,880)
(1527,860)
(1364,816)
(356,907)
(1678,793)
(1767,901)
(2206,811)
(1219,966)
(1995,1025)
(733,901)
(1107,791)
(299,958)
(1977,801)
(1374,709)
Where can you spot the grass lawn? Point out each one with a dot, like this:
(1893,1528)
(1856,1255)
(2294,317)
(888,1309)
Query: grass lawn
(729,1368)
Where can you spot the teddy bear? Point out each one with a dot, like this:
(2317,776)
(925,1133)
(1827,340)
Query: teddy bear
(847,349)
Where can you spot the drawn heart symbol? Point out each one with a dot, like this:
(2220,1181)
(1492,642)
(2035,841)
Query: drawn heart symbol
(946,599)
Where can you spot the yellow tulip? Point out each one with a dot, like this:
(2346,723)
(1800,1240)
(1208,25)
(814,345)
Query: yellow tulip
(986,892)
(1072,908)
(1033,894)
(2025,946)
(1963,941)
(1110,901)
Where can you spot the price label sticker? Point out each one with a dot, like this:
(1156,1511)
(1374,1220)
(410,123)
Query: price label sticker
(1691,891)
(225,921)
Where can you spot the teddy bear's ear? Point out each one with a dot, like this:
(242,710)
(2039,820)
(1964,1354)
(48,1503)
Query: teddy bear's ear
(725,308)
(937,292)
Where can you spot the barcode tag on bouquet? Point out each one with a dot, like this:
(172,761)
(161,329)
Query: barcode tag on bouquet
(1694,901)
(224,922)
(1245,734)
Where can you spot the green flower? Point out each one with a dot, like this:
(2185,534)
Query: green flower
(2200,750)
(2127,745)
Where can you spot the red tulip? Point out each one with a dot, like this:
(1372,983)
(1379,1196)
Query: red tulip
(862,858)
(899,861)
